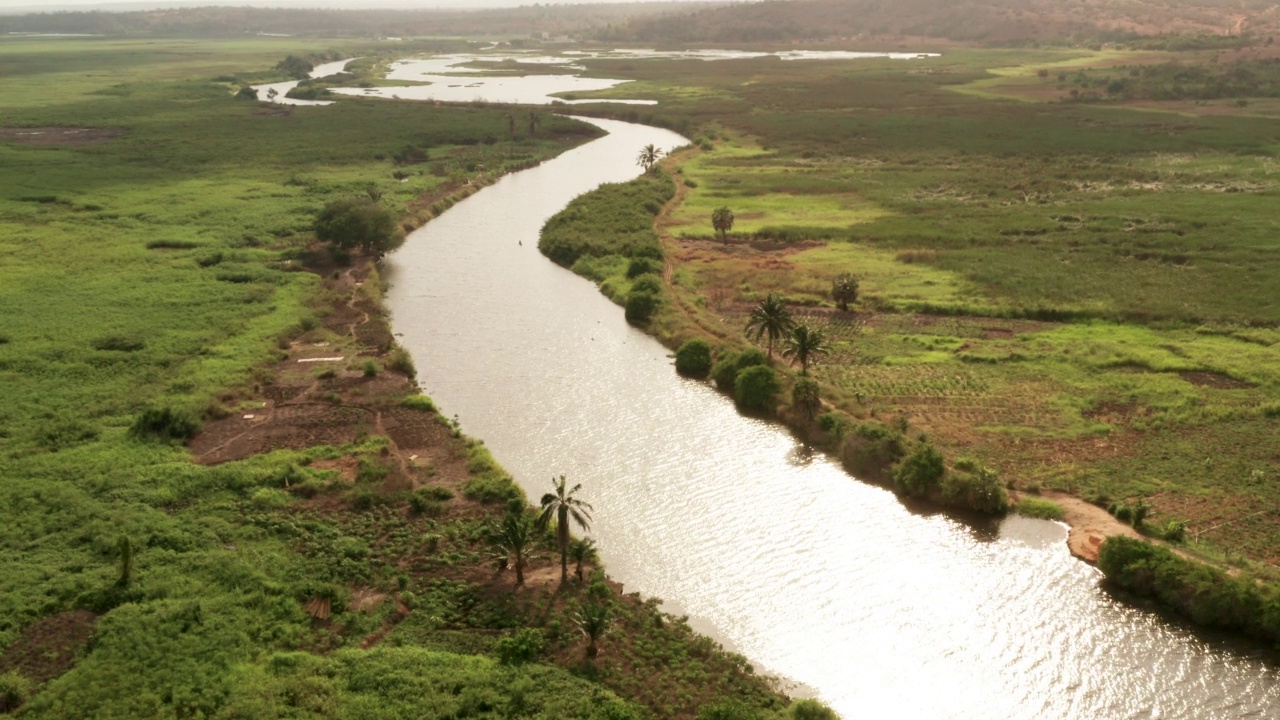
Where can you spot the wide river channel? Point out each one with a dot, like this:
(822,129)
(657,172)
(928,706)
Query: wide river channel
(824,581)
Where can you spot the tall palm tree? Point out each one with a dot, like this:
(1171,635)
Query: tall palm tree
(564,507)
(535,119)
(592,618)
(805,344)
(582,551)
(769,319)
(649,156)
(513,537)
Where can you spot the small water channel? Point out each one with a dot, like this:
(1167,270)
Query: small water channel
(881,611)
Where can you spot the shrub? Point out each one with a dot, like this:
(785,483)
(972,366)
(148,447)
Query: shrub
(694,358)
(755,388)
(1175,531)
(525,645)
(975,487)
(119,343)
(640,307)
(732,709)
(1203,593)
(369,368)
(421,403)
(165,425)
(1040,508)
(811,710)
(490,488)
(647,283)
(921,473)
(869,450)
(429,500)
(14,690)
(642,266)
(399,360)
(805,398)
(351,223)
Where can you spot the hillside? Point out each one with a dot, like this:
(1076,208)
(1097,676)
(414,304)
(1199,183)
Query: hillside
(988,21)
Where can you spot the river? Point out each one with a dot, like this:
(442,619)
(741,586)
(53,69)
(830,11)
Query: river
(820,579)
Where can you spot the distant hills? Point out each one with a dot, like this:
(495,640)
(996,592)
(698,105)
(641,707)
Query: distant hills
(656,23)
(986,21)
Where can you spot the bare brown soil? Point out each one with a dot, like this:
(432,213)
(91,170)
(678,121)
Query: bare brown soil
(59,136)
(1090,525)
(49,647)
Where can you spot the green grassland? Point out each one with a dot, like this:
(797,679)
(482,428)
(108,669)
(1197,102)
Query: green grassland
(156,262)
(1083,296)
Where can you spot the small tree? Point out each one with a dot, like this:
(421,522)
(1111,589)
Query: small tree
(535,119)
(805,398)
(921,473)
(581,552)
(296,67)
(362,223)
(513,537)
(844,290)
(755,388)
(804,344)
(649,156)
(124,549)
(592,618)
(694,358)
(722,221)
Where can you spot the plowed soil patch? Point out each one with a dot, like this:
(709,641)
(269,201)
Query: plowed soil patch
(60,135)
(50,647)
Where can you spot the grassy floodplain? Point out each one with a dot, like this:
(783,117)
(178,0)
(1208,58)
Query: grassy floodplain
(1082,295)
(155,255)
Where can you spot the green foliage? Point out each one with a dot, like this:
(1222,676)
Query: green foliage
(844,290)
(429,500)
(1200,592)
(357,223)
(921,473)
(642,266)
(613,219)
(1040,508)
(640,307)
(399,360)
(14,690)
(722,222)
(806,398)
(769,319)
(1174,531)
(726,369)
(730,709)
(651,284)
(755,388)
(369,368)
(295,67)
(806,709)
(974,486)
(693,359)
(421,403)
(164,424)
(522,646)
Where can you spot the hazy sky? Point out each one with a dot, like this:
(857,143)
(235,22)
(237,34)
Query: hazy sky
(48,5)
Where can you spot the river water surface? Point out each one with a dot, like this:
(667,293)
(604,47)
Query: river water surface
(816,577)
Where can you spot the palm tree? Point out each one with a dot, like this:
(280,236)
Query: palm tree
(805,344)
(124,548)
(513,537)
(535,119)
(511,125)
(844,290)
(592,618)
(722,221)
(769,319)
(649,156)
(564,506)
(582,551)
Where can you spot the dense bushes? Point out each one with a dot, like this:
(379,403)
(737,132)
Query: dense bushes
(351,223)
(640,307)
(726,369)
(165,424)
(614,219)
(868,450)
(694,358)
(974,486)
(920,475)
(1205,594)
(755,389)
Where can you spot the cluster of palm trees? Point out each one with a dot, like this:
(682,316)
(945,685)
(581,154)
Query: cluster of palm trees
(515,534)
(772,321)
